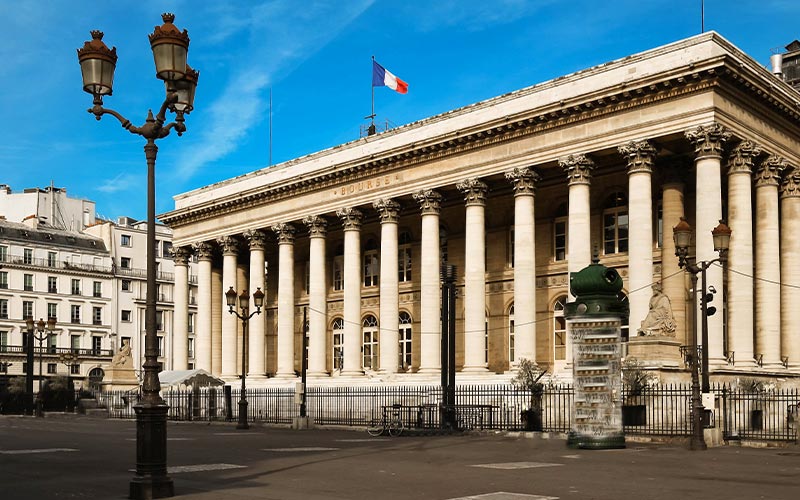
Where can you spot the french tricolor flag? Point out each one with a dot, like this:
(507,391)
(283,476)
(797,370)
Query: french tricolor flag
(381,77)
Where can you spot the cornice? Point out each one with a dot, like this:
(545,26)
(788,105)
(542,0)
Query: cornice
(618,98)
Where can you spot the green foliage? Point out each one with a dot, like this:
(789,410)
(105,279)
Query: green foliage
(528,378)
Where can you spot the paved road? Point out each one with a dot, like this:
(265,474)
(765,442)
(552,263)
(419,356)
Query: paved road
(86,458)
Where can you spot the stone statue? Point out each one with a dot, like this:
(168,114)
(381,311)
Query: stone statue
(659,320)
(123,357)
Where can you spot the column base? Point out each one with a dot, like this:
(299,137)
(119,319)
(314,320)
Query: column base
(429,371)
(285,375)
(318,374)
(352,373)
(475,369)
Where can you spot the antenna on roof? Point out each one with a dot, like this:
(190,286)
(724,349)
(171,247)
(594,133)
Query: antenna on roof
(702,16)
(270,127)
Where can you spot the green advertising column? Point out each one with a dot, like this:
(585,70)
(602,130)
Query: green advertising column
(594,323)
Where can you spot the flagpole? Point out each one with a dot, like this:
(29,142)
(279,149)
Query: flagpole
(371,130)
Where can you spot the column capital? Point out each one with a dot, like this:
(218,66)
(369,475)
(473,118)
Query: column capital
(641,155)
(474,191)
(180,255)
(317,226)
(790,187)
(429,201)
(578,167)
(351,218)
(708,139)
(204,250)
(387,209)
(769,171)
(740,160)
(256,238)
(229,244)
(285,233)
(524,180)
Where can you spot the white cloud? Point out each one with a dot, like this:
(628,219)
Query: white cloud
(275,37)
(122,182)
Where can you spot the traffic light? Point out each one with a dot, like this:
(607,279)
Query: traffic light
(708,298)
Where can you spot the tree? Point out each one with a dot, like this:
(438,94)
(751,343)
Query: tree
(528,378)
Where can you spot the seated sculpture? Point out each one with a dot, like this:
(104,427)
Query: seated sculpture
(659,320)
(123,357)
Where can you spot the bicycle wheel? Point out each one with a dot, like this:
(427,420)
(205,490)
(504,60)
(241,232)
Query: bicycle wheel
(375,428)
(395,428)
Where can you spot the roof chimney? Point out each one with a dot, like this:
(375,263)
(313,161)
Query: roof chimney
(776,60)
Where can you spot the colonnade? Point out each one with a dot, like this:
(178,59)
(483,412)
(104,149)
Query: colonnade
(776,339)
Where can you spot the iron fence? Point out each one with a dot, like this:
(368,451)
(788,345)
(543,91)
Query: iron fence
(657,411)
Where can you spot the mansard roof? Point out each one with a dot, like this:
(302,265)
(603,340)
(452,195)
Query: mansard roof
(48,236)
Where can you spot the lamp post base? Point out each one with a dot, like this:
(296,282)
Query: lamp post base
(242,424)
(151,480)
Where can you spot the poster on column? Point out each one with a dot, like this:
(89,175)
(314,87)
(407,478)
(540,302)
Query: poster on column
(596,410)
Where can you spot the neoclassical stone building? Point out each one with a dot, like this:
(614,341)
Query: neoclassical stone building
(517,192)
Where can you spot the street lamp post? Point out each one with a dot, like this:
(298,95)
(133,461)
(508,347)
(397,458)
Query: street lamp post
(170,47)
(44,331)
(682,235)
(244,305)
(69,359)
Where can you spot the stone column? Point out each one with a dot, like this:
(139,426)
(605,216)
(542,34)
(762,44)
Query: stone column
(640,156)
(230,251)
(242,283)
(180,335)
(790,270)
(524,182)
(218,308)
(708,141)
(202,347)
(740,255)
(351,219)
(256,328)
(285,233)
(474,275)
(317,303)
(768,259)
(430,291)
(673,278)
(389,293)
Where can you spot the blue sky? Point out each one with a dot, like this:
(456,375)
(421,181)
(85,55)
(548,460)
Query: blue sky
(315,56)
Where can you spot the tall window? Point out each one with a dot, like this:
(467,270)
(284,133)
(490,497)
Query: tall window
(190,347)
(660,224)
(125,316)
(3,279)
(52,310)
(52,284)
(404,257)
(338,268)
(125,240)
(97,345)
(191,323)
(52,344)
(97,315)
(3,308)
(160,321)
(75,342)
(3,341)
(3,253)
(51,259)
(27,309)
(166,248)
(27,256)
(76,287)
(559,329)
(160,346)
(511,357)
(371,267)
(615,224)
(405,341)
(125,262)
(75,314)
(28,282)
(369,331)
(338,344)
(560,239)
(126,285)
(97,289)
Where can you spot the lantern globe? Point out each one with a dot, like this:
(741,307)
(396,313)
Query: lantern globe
(97,65)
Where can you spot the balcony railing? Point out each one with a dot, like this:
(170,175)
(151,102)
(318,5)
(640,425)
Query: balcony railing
(49,264)
(55,351)
(142,273)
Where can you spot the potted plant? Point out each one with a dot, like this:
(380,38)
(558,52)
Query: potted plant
(636,380)
(528,378)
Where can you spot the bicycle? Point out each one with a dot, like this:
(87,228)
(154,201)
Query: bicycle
(393,425)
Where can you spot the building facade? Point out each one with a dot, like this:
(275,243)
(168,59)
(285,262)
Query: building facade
(517,192)
(48,273)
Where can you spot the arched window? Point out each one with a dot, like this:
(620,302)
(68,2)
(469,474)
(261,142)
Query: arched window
(338,268)
(404,257)
(369,331)
(96,376)
(559,329)
(371,264)
(405,341)
(338,344)
(511,358)
(615,224)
